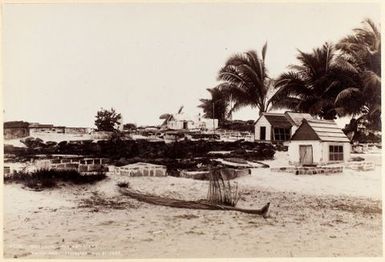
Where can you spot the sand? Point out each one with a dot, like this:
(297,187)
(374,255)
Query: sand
(337,215)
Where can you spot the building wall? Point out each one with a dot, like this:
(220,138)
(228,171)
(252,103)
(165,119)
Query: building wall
(174,124)
(18,132)
(293,129)
(262,122)
(320,151)
(347,150)
(209,123)
(293,151)
(203,123)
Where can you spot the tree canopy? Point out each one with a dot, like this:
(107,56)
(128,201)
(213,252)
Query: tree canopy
(362,50)
(312,85)
(107,120)
(217,106)
(245,80)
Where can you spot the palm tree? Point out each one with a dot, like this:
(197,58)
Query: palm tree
(217,106)
(244,79)
(312,85)
(362,50)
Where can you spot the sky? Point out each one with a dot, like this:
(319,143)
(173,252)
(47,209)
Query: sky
(63,62)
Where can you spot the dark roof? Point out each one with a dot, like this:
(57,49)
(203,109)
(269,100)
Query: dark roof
(278,120)
(296,118)
(324,130)
(16,124)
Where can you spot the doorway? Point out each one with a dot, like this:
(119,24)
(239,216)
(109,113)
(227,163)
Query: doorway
(306,154)
(262,135)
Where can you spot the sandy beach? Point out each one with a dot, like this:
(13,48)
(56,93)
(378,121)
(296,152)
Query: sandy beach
(337,215)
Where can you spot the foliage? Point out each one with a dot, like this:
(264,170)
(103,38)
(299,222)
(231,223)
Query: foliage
(238,125)
(107,120)
(245,80)
(129,126)
(313,85)
(337,81)
(362,50)
(217,106)
(48,178)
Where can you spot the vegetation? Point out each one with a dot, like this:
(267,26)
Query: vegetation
(107,120)
(129,126)
(217,106)
(239,125)
(100,202)
(313,85)
(245,80)
(362,50)
(48,178)
(328,82)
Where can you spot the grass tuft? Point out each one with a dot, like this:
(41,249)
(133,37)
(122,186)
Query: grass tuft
(49,178)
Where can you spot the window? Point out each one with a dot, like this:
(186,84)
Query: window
(281,134)
(336,153)
(262,134)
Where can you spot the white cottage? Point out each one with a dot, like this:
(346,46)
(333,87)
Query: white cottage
(183,121)
(318,142)
(278,127)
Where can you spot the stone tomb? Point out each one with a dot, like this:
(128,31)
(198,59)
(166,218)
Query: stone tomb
(141,169)
(316,170)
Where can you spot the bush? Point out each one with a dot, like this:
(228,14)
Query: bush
(48,178)
(123,184)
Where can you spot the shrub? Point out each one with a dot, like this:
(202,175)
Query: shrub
(48,178)
(123,184)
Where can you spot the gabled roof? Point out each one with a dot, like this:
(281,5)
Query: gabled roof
(296,118)
(278,120)
(324,130)
(285,120)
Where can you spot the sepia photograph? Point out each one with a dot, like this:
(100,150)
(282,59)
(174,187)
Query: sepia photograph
(141,130)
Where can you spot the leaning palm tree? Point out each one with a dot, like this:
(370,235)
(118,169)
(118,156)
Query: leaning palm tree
(245,80)
(312,85)
(362,50)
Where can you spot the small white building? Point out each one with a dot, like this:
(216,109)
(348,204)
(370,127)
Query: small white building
(183,121)
(278,127)
(318,142)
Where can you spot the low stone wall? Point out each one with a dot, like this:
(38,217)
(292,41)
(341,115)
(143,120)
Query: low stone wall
(141,171)
(325,170)
(227,173)
(81,168)
(82,165)
(360,165)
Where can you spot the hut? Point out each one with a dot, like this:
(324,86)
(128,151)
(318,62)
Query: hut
(16,129)
(318,142)
(278,127)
